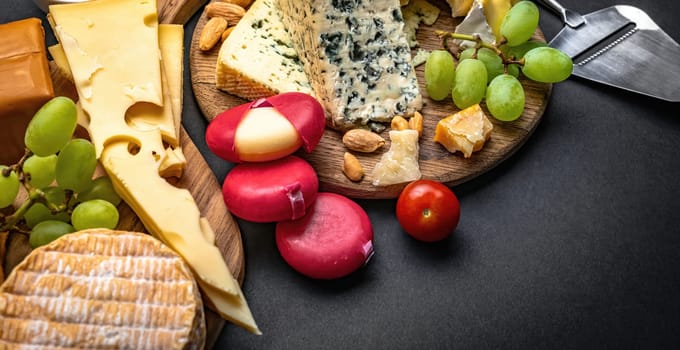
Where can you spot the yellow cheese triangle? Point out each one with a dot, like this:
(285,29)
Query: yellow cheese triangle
(169,213)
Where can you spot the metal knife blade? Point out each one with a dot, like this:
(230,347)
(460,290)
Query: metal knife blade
(642,58)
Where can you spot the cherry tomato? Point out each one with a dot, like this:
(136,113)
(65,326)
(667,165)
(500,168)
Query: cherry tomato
(428,210)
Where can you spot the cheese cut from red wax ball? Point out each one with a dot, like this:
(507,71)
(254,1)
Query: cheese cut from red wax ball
(267,129)
(333,240)
(273,191)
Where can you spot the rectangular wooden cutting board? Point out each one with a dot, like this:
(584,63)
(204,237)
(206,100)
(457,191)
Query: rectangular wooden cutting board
(198,179)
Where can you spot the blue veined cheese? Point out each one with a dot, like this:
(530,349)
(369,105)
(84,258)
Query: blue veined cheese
(258,59)
(357,59)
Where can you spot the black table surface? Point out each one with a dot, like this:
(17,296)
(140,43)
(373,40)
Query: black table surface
(573,242)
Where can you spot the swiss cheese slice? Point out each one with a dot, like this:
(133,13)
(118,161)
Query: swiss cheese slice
(102,289)
(171,215)
(114,69)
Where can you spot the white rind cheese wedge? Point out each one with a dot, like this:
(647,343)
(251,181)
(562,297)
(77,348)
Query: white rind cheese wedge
(258,59)
(96,289)
(357,58)
(475,23)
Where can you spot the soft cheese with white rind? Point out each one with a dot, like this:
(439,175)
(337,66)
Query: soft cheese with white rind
(258,59)
(475,23)
(357,58)
(96,289)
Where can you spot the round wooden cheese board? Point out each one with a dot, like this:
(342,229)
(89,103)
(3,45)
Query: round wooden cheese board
(435,162)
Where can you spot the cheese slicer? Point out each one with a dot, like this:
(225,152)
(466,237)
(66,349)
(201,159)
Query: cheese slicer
(620,46)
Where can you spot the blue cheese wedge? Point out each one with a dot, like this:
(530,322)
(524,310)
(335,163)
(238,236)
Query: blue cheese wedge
(357,59)
(258,58)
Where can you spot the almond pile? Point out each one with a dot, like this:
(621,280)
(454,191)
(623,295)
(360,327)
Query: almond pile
(222,15)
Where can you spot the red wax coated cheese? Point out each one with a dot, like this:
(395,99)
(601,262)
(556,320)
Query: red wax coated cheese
(273,191)
(267,129)
(334,239)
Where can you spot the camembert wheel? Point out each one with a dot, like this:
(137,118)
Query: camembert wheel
(102,289)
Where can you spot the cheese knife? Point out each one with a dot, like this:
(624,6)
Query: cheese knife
(620,46)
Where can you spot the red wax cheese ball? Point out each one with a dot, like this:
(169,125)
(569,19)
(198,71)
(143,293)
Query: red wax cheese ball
(273,191)
(334,239)
(267,129)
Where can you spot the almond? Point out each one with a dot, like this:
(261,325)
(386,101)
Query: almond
(399,123)
(416,123)
(231,12)
(352,168)
(243,3)
(212,33)
(362,140)
(226,33)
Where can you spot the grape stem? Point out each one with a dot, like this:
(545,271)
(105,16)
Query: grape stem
(444,35)
(11,220)
(474,37)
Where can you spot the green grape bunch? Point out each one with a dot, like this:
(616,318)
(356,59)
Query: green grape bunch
(489,72)
(57,173)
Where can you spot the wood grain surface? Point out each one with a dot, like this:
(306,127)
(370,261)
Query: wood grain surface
(435,162)
(198,179)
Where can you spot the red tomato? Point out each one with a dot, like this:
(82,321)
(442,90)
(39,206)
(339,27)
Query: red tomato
(428,210)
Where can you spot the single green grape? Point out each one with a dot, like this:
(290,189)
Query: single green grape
(102,188)
(47,231)
(520,22)
(517,52)
(439,73)
(513,69)
(492,61)
(96,213)
(505,98)
(547,65)
(469,85)
(51,127)
(38,213)
(9,186)
(75,165)
(41,170)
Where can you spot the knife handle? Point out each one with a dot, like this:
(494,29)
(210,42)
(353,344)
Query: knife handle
(569,17)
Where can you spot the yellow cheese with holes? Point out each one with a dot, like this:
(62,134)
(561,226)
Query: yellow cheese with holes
(149,116)
(171,38)
(171,215)
(465,131)
(114,69)
(265,134)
